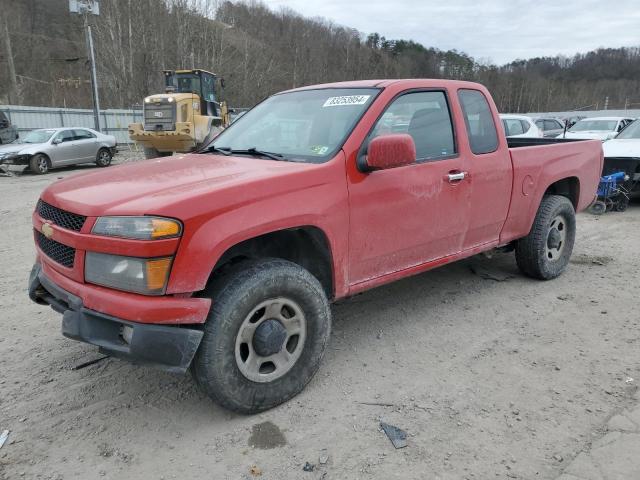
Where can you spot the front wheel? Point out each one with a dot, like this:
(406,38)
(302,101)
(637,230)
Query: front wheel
(103,157)
(150,152)
(545,252)
(39,164)
(265,336)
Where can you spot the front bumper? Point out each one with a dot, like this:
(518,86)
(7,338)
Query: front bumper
(15,160)
(182,139)
(170,348)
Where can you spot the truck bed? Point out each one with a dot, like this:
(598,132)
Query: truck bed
(516,142)
(536,163)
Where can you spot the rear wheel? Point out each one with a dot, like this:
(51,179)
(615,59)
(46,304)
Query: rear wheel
(103,157)
(39,164)
(545,252)
(265,335)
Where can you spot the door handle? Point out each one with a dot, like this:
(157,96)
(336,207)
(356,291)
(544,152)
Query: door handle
(455,176)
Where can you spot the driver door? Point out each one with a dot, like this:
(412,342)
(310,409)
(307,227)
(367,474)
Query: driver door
(407,216)
(63,149)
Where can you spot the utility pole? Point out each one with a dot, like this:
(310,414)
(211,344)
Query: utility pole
(86,7)
(94,78)
(606,103)
(11,69)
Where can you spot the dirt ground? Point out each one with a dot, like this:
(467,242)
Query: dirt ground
(491,374)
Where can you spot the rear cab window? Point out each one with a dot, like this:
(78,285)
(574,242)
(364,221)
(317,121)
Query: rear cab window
(425,116)
(481,129)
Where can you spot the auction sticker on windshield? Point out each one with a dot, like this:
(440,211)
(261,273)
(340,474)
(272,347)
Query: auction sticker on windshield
(346,100)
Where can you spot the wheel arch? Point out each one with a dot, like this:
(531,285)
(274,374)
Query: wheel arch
(305,245)
(567,187)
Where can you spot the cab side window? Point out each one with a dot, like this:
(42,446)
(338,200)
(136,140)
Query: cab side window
(65,136)
(483,136)
(423,115)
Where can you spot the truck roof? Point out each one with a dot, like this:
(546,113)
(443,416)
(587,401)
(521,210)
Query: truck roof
(382,83)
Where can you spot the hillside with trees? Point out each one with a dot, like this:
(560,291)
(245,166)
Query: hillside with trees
(260,51)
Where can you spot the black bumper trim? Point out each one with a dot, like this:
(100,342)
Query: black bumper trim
(170,348)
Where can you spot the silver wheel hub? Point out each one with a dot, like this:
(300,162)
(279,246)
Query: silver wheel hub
(270,339)
(556,238)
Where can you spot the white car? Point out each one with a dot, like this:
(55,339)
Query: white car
(520,126)
(622,154)
(49,148)
(597,128)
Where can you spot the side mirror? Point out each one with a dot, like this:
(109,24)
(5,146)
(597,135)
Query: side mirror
(56,141)
(390,151)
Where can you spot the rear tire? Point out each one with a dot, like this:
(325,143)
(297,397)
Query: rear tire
(39,164)
(103,157)
(545,252)
(265,335)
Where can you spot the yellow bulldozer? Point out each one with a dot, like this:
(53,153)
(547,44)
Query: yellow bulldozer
(184,118)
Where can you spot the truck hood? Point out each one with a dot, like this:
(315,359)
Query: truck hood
(155,186)
(589,134)
(622,148)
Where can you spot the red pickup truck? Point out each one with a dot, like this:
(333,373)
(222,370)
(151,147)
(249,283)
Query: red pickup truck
(225,261)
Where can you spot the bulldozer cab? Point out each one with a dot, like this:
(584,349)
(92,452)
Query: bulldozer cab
(198,82)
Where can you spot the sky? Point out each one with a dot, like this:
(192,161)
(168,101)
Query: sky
(499,31)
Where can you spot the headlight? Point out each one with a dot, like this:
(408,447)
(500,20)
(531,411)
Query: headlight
(147,276)
(138,228)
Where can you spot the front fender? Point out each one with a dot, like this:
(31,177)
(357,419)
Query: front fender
(319,201)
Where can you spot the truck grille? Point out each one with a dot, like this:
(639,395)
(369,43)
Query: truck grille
(56,251)
(62,218)
(160,116)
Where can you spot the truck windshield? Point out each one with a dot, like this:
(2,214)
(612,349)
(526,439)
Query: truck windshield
(185,83)
(597,125)
(307,125)
(38,136)
(631,132)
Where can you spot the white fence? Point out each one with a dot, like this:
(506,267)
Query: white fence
(112,122)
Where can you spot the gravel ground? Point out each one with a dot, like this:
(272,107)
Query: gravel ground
(491,374)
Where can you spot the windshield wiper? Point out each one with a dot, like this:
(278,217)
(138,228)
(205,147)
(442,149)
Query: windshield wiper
(255,151)
(224,151)
(249,151)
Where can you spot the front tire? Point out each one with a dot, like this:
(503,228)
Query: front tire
(544,253)
(265,335)
(39,164)
(103,157)
(153,153)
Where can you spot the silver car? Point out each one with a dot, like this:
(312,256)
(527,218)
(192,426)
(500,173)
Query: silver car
(49,148)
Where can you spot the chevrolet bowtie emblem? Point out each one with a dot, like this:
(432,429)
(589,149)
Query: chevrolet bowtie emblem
(47,230)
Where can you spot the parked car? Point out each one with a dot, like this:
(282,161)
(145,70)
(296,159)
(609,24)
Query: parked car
(223,262)
(572,120)
(50,148)
(622,154)
(597,128)
(520,126)
(8,132)
(551,127)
